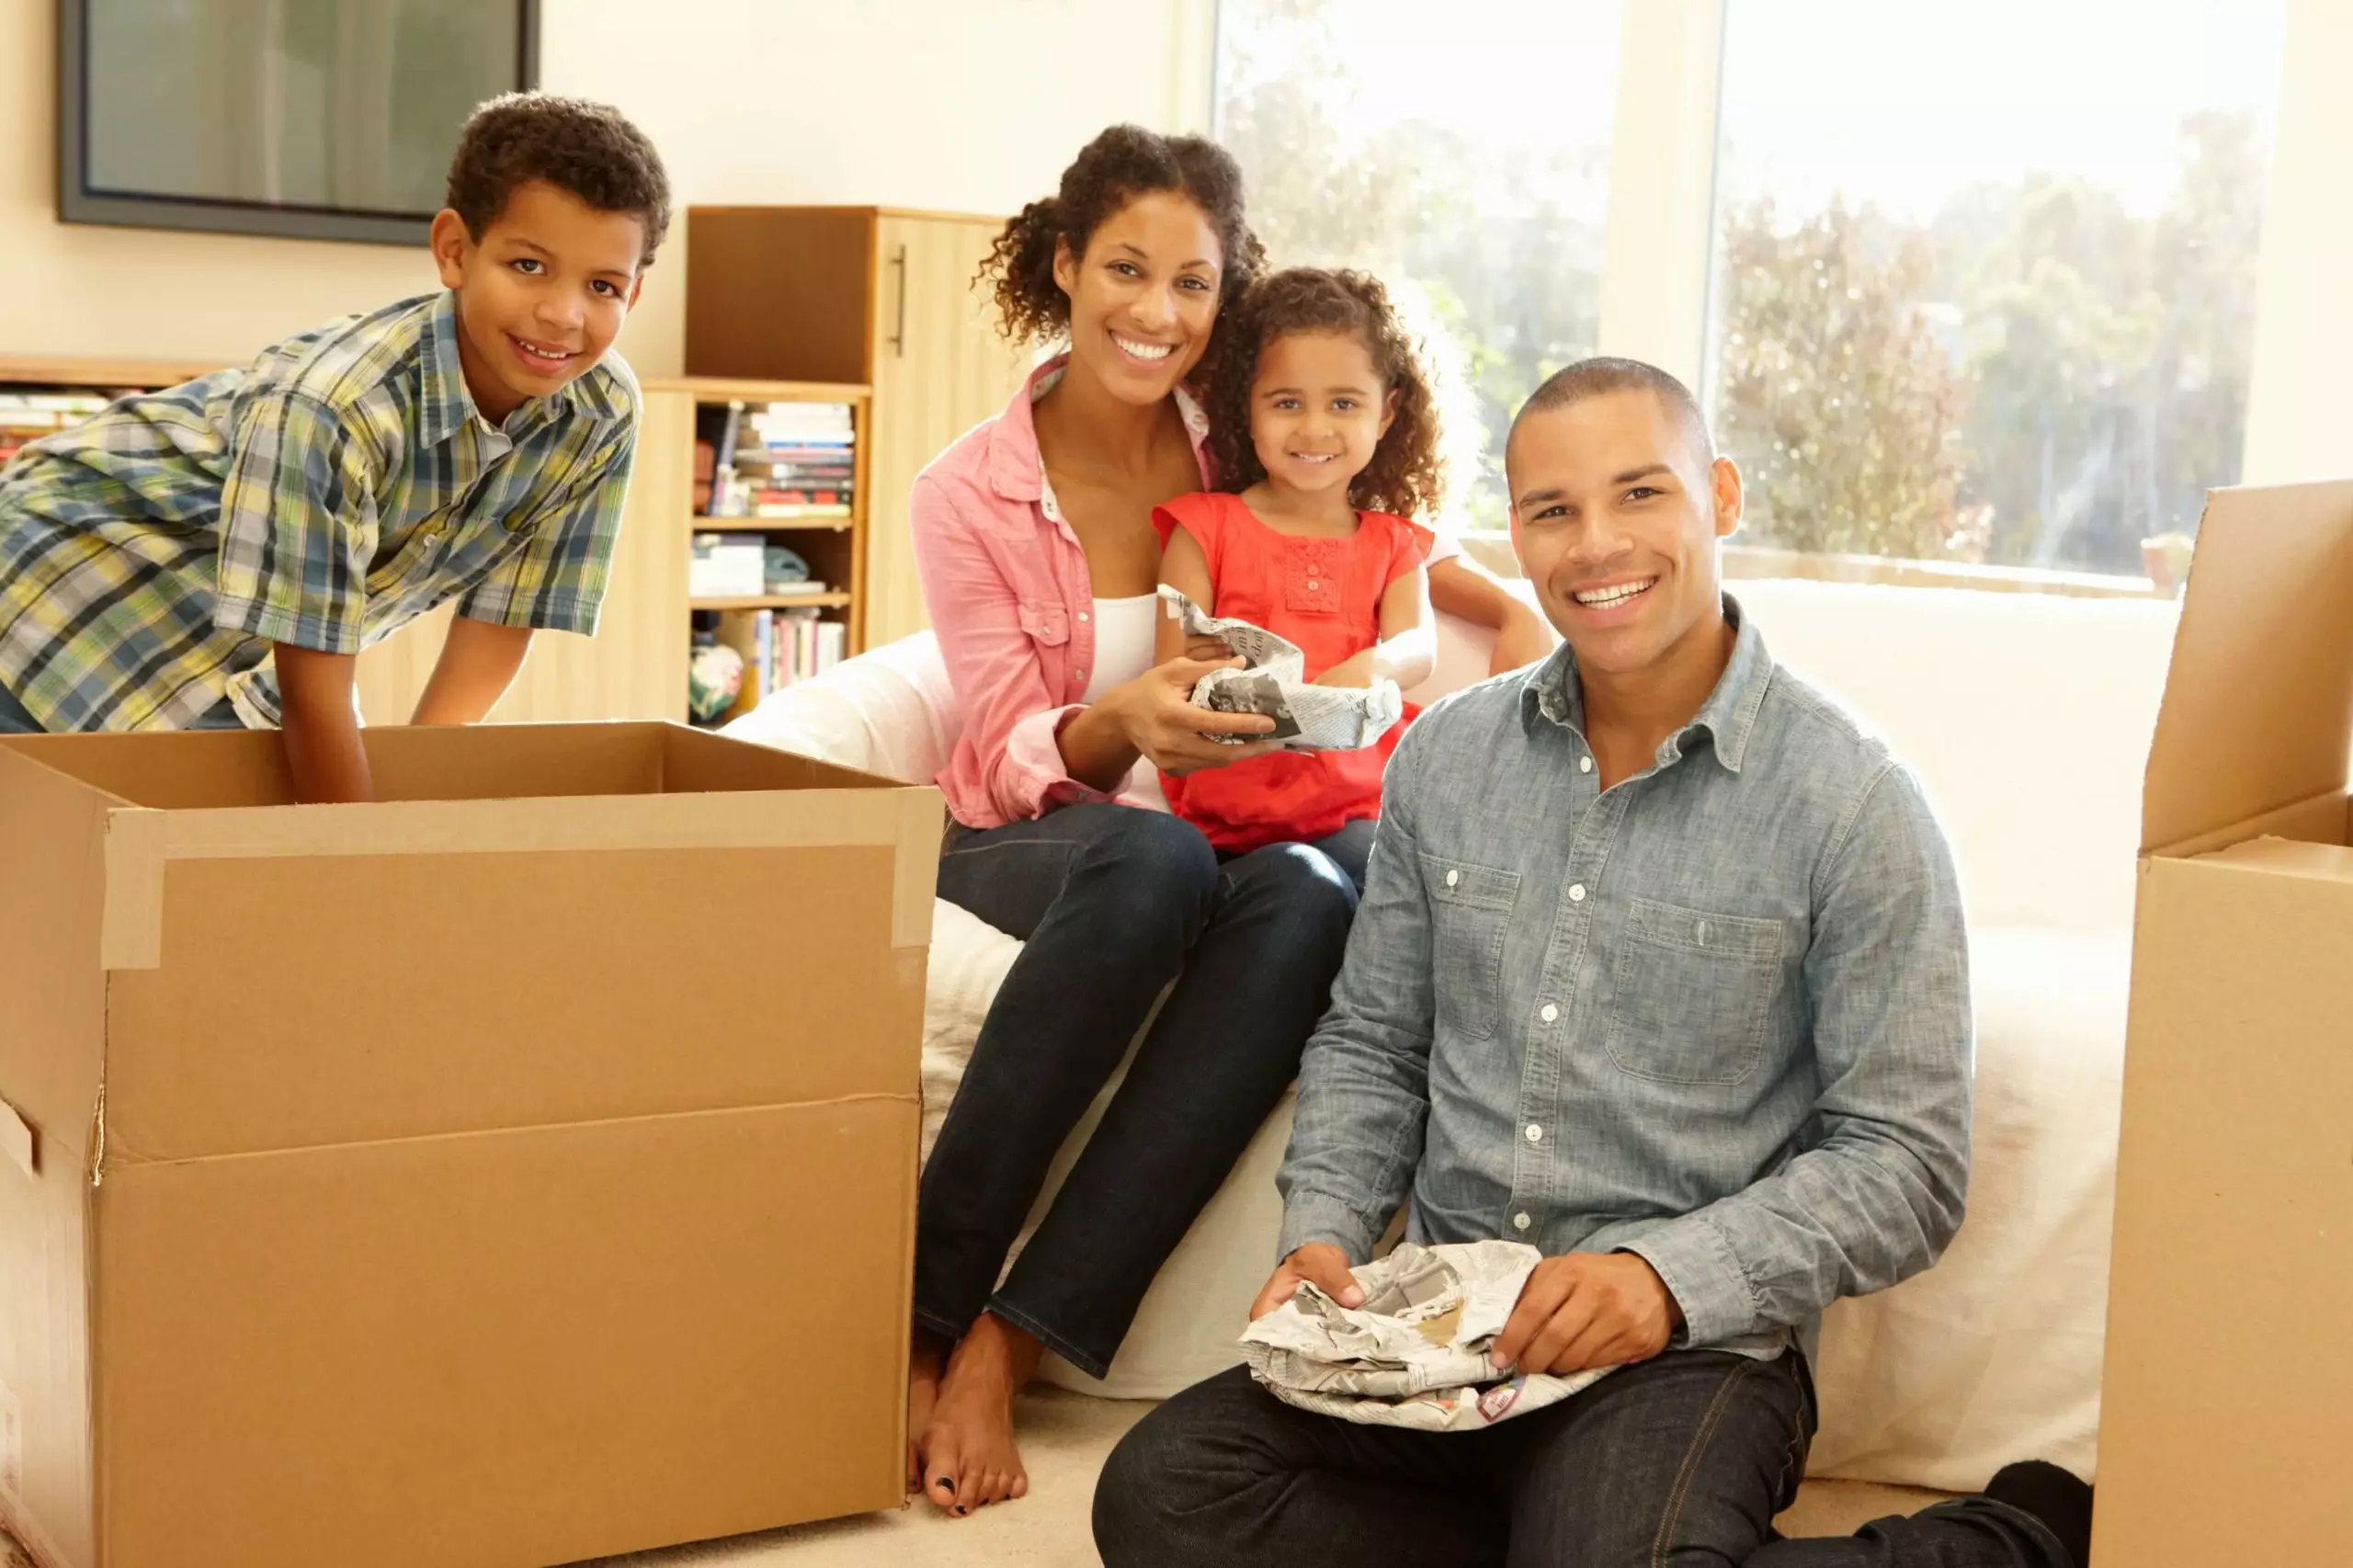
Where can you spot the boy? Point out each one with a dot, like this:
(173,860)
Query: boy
(215,555)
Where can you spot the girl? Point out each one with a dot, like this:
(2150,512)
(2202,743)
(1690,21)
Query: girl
(1325,443)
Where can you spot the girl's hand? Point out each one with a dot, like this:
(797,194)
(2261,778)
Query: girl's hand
(1156,713)
(1208,650)
(1523,639)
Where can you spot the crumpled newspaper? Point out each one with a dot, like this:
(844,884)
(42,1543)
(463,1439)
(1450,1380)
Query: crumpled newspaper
(1415,1353)
(1307,717)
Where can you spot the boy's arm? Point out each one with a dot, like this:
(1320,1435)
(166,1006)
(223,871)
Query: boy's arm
(319,727)
(477,665)
(1408,645)
(298,534)
(1462,589)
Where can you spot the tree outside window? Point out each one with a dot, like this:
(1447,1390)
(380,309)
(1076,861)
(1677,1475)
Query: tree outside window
(1984,301)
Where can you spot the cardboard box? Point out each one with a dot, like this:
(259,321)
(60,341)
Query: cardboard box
(517,1171)
(2226,1430)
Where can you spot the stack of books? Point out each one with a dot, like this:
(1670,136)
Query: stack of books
(781,647)
(787,460)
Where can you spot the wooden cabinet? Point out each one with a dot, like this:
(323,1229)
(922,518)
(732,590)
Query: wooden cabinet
(858,294)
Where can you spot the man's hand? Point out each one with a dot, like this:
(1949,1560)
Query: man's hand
(1587,1310)
(1319,1264)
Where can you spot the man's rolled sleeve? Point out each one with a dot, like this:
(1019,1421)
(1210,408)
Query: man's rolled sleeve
(297,526)
(1703,1274)
(556,581)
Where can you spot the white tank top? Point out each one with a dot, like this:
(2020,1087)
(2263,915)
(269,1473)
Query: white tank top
(1127,632)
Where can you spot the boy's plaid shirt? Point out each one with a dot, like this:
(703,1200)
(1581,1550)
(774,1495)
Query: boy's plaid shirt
(341,487)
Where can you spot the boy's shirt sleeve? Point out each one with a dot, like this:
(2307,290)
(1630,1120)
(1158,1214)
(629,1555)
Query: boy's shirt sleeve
(556,581)
(298,526)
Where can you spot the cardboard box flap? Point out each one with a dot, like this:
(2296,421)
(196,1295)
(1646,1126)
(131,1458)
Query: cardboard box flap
(2259,704)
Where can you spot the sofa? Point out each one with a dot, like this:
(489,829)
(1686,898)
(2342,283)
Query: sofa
(2028,718)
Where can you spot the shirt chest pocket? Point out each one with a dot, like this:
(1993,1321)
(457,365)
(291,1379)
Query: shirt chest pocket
(1046,621)
(1693,994)
(1469,912)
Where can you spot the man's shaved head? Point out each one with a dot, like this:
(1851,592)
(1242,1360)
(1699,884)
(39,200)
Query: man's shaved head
(1602,375)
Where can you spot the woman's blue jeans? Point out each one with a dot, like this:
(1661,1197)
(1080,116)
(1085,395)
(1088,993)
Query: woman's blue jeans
(1113,903)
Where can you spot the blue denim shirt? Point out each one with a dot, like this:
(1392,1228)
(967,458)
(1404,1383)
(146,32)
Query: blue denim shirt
(1717,1015)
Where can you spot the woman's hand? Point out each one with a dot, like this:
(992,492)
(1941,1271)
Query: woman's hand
(1156,714)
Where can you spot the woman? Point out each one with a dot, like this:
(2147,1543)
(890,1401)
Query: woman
(1034,538)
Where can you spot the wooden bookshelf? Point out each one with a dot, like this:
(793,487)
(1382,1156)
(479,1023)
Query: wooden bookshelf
(701,524)
(879,296)
(143,375)
(834,547)
(774,601)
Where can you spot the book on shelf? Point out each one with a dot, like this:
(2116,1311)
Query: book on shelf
(781,648)
(780,455)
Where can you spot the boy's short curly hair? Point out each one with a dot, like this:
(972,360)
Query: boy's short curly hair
(589,149)
(1407,474)
(1119,166)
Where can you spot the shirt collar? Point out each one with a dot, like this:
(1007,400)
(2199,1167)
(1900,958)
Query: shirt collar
(1728,718)
(445,404)
(1017,470)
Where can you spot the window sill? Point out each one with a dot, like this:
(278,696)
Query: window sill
(1491,548)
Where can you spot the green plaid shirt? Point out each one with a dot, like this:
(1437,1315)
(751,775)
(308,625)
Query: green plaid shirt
(340,488)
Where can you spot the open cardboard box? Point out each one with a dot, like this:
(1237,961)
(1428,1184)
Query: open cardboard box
(518,1170)
(2226,1431)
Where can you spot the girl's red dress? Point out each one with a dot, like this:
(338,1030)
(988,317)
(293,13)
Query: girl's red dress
(1322,595)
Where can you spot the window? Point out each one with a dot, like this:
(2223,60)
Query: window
(1465,163)
(1985,273)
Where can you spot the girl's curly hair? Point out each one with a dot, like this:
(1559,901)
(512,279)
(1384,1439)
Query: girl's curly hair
(1120,165)
(1407,474)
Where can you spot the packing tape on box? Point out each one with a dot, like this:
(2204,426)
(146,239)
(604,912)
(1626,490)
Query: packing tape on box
(140,843)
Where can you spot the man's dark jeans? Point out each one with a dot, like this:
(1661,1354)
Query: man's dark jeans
(1683,1461)
(1113,903)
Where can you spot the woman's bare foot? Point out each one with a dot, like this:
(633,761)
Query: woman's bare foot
(968,1456)
(926,1359)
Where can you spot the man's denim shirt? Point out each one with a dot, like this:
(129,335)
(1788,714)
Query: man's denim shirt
(1717,1016)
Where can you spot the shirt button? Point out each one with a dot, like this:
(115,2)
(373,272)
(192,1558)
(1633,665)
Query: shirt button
(1535,1133)
(1313,585)
(1082,615)
(1577,892)
(1079,674)
(1549,1013)
(1584,765)
(1520,1222)
(1452,878)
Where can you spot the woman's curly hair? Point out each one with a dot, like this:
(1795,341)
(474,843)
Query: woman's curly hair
(1120,165)
(1407,474)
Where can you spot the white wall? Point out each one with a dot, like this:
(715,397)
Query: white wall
(2296,423)
(956,104)
(142,293)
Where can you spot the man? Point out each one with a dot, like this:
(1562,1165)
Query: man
(1660,968)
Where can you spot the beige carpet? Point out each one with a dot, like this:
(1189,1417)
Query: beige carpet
(1064,1440)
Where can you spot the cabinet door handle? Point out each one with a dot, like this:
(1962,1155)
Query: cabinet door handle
(899,334)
